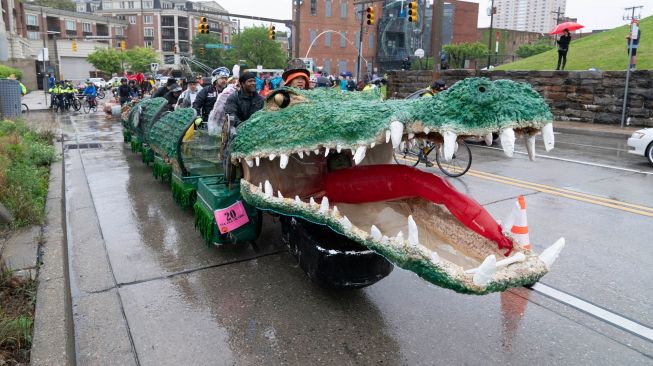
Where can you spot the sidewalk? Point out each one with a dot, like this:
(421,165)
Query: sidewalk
(594,129)
(35,100)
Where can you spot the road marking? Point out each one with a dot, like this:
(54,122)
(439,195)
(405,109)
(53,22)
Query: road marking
(574,161)
(607,316)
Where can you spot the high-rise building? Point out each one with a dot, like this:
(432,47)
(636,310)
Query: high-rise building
(528,15)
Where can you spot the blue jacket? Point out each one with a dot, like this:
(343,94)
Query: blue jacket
(90,90)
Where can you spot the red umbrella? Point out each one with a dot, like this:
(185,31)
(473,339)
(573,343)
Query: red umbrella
(571,26)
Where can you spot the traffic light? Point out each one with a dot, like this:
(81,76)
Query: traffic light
(74,45)
(413,16)
(370,15)
(202,51)
(203,27)
(123,45)
(272,34)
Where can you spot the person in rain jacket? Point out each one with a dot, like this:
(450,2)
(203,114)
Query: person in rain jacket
(90,92)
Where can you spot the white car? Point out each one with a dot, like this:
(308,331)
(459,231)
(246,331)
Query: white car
(99,82)
(641,143)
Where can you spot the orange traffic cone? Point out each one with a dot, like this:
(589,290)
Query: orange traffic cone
(517,223)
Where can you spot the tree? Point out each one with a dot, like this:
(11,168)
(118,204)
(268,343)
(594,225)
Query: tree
(57,4)
(528,50)
(211,57)
(458,53)
(253,46)
(107,60)
(140,58)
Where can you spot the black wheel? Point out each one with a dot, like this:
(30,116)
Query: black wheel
(459,163)
(77,104)
(86,106)
(409,155)
(100,94)
(24,109)
(649,153)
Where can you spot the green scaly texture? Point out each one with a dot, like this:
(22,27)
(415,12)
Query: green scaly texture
(165,134)
(474,106)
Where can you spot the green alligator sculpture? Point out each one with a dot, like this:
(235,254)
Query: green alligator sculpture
(292,153)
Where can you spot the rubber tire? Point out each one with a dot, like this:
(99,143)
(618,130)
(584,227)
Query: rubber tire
(461,143)
(404,153)
(77,104)
(86,107)
(649,153)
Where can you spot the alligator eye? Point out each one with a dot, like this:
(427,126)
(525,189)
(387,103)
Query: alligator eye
(481,89)
(281,99)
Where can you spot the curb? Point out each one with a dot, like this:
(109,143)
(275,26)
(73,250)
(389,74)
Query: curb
(53,339)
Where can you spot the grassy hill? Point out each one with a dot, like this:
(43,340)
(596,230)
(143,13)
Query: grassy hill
(604,51)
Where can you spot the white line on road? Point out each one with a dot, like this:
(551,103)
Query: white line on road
(596,311)
(573,161)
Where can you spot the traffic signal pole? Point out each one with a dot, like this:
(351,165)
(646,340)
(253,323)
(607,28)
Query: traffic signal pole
(436,33)
(360,47)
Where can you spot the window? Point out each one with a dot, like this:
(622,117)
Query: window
(313,7)
(120,31)
(33,35)
(147,4)
(122,5)
(81,8)
(147,19)
(148,43)
(327,8)
(327,66)
(313,35)
(130,4)
(148,32)
(32,20)
(108,5)
(342,66)
(70,25)
(327,40)
(370,41)
(86,27)
(132,19)
(226,39)
(343,40)
(343,10)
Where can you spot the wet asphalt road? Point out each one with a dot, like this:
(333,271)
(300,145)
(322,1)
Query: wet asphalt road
(146,290)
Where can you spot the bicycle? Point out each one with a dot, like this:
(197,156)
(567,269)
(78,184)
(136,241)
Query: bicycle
(88,106)
(100,93)
(411,153)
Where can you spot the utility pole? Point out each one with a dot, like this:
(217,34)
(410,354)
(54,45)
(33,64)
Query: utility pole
(436,33)
(633,29)
(298,3)
(360,45)
(557,19)
(489,37)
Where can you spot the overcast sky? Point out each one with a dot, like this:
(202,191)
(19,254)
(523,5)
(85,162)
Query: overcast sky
(594,14)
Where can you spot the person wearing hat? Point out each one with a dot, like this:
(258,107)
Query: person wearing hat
(173,96)
(240,106)
(296,75)
(205,99)
(189,95)
(164,89)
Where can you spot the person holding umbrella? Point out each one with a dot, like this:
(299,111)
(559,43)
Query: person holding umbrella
(563,48)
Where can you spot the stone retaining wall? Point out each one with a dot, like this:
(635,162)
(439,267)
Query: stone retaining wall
(585,96)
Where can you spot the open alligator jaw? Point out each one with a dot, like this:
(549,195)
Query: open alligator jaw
(415,219)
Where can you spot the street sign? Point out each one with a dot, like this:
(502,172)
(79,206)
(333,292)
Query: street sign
(259,68)
(218,46)
(419,53)
(154,67)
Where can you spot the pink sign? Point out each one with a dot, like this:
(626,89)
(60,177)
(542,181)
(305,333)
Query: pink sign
(231,218)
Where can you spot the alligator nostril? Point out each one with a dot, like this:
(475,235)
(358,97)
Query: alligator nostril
(481,89)
(281,99)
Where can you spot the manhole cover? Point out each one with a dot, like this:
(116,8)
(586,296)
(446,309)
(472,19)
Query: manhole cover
(83,146)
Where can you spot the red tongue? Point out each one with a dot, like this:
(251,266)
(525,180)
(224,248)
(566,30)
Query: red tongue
(374,183)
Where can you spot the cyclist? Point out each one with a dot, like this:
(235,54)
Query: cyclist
(91,93)
(57,93)
(124,91)
(436,87)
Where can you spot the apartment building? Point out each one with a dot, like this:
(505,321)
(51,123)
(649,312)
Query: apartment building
(528,15)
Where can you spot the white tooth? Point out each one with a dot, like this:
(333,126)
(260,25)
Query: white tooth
(359,155)
(449,145)
(308,152)
(335,212)
(396,132)
(268,189)
(326,151)
(547,136)
(387,136)
(376,233)
(260,187)
(385,238)
(508,141)
(249,162)
(301,154)
(413,234)
(283,161)
(411,135)
(402,145)
(372,145)
(345,222)
(279,194)
(297,200)
(258,160)
(485,271)
(530,146)
(312,202)
(550,254)
(435,258)
(338,148)
(427,130)
(488,139)
(324,205)
(504,262)
(317,151)
(400,237)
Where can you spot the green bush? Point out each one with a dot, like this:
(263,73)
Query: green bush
(5,71)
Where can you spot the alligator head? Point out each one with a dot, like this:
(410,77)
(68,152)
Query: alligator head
(326,156)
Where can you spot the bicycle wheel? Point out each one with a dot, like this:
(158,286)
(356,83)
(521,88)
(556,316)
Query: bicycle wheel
(86,106)
(459,163)
(409,155)
(24,109)
(100,94)
(77,105)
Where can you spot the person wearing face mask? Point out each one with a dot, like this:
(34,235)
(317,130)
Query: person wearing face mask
(205,99)
(241,105)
